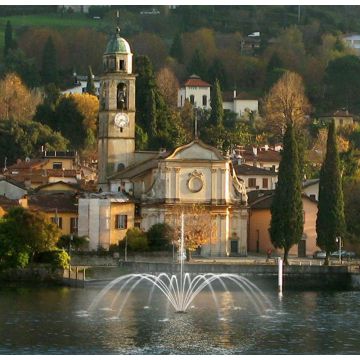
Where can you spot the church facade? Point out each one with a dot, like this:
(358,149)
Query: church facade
(153,186)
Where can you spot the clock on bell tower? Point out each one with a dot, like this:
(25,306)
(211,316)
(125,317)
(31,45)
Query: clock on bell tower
(116,139)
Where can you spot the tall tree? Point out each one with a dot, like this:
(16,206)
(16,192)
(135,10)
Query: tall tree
(217,71)
(330,222)
(286,226)
(198,65)
(168,85)
(69,121)
(176,50)
(286,103)
(90,85)
(8,38)
(17,62)
(342,83)
(217,111)
(17,102)
(161,123)
(49,70)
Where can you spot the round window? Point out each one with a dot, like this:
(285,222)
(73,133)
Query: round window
(195,184)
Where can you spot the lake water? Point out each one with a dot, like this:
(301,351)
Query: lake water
(52,320)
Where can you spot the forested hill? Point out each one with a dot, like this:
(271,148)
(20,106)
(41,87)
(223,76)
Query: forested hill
(208,40)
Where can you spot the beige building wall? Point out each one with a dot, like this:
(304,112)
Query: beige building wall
(67,164)
(259,224)
(65,219)
(127,209)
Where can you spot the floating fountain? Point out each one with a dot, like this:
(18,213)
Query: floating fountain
(180,290)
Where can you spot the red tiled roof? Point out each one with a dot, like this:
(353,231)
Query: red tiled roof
(61,202)
(262,155)
(245,169)
(6,203)
(31,164)
(61,173)
(195,81)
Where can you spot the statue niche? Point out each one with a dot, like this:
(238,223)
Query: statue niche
(121,97)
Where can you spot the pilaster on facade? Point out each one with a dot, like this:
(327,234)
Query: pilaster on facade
(214,172)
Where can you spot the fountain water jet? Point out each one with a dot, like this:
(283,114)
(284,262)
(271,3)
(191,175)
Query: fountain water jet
(181,290)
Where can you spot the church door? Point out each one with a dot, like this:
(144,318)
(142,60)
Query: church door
(234,247)
(302,248)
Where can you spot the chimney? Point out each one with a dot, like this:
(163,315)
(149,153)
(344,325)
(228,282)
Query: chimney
(266,147)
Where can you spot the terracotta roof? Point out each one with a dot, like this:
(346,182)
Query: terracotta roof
(61,173)
(262,155)
(34,178)
(195,81)
(245,169)
(72,187)
(61,202)
(260,199)
(6,203)
(31,164)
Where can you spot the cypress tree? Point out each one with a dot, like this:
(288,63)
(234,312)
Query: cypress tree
(152,114)
(90,86)
(176,50)
(217,71)
(286,226)
(8,38)
(217,111)
(198,65)
(49,70)
(330,221)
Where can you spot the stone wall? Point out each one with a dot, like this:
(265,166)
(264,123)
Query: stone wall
(295,277)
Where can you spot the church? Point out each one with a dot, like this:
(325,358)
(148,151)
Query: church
(143,188)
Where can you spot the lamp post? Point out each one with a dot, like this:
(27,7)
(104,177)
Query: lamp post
(70,241)
(125,255)
(338,240)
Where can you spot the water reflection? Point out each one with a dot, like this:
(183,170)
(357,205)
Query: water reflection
(54,321)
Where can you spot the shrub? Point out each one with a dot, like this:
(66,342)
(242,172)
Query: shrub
(78,243)
(57,258)
(160,236)
(136,240)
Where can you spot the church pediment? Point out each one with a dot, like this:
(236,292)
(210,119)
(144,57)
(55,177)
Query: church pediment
(196,150)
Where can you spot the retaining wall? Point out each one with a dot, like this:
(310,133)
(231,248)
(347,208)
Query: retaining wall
(295,276)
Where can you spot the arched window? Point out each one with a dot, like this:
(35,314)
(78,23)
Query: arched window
(121,96)
(204,98)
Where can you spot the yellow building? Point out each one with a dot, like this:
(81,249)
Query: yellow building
(60,208)
(259,223)
(105,218)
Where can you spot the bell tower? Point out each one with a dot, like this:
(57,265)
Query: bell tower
(116,139)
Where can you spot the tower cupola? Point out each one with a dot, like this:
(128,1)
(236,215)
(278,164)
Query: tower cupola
(117,56)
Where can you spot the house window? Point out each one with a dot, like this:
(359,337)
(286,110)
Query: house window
(122,64)
(120,221)
(181,100)
(73,225)
(265,183)
(192,99)
(312,196)
(204,98)
(58,221)
(252,182)
(57,165)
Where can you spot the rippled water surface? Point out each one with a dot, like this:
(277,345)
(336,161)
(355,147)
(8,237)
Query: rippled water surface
(55,321)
